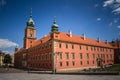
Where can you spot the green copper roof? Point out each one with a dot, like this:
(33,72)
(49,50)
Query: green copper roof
(54,26)
(54,22)
(30,21)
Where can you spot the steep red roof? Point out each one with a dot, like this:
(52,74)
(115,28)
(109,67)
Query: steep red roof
(78,39)
(42,40)
(74,39)
(20,50)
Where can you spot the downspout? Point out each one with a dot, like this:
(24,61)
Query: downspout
(53,56)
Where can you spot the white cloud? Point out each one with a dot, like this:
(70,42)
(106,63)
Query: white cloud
(114,4)
(11,52)
(2,2)
(5,43)
(110,24)
(117,1)
(6,51)
(98,19)
(96,5)
(116,20)
(108,2)
(118,26)
(116,11)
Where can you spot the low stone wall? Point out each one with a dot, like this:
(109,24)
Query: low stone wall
(76,69)
(89,73)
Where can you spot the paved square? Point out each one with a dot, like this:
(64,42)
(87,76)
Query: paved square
(29,76)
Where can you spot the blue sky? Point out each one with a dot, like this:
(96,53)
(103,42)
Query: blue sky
(95,18)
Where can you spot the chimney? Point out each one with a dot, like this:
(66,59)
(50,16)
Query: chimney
(45,35)
(106,41)
(41,41)
(70,33)
(84,37)
(98,39)
(16,48)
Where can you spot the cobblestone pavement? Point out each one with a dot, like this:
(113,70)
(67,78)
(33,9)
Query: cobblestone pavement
(29,76)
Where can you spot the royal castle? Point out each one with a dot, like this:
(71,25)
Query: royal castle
(60,51)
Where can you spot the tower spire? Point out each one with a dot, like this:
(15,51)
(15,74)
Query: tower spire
(31,13)
(16,48)
(30,21)
(54,26)
(54,22)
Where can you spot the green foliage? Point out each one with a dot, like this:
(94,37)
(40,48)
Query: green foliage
(7,59)
(115,67)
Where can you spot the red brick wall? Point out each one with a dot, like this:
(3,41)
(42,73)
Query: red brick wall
(77,51)
(30,36)
(18,60)
(40,56)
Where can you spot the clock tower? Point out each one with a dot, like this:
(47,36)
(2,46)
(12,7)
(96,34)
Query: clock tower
(30,33)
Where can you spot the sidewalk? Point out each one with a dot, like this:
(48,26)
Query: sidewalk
(89,73)
(14,70)
(76,73)
(11,70)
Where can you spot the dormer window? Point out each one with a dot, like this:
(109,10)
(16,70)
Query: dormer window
(56,36)
(41,41)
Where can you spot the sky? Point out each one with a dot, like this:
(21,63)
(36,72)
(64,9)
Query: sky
(94,18)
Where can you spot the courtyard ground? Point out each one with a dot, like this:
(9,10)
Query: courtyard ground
(18,74)
(11,70)
(29,76)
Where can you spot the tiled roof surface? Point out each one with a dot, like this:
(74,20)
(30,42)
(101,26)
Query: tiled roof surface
(74,39)
(20,50)
(79,39)
(42,40)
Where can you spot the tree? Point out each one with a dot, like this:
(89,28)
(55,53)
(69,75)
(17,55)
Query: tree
(7,60)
